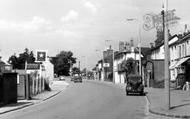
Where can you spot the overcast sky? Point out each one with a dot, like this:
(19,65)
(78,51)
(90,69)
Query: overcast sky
(81,26)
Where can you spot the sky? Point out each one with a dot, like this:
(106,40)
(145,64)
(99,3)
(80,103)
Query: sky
(85,27)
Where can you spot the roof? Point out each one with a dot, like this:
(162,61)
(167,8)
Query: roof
(182,39)
(161,44)
(121,53)
(144,51)
(100,61)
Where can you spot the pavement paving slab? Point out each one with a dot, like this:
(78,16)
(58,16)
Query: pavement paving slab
(180,103)
(56,86)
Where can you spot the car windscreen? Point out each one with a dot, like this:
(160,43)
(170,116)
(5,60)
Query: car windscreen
(134,79)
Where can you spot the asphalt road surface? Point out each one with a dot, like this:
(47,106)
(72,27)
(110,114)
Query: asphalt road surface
(87,100)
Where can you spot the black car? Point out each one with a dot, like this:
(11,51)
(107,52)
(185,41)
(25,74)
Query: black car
(77,78)
(134,85)
(61,78)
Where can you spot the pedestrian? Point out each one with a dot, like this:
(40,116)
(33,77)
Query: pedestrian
(186,86)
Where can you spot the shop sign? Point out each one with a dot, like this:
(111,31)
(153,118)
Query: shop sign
(152,20)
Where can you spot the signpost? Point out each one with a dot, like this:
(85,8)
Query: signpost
(162,21)
(41,55)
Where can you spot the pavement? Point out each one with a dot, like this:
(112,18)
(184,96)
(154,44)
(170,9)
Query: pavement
(56,88)
(179,99)
(180,103)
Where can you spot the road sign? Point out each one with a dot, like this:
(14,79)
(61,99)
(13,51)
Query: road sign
(106,65)
(41,55)
(152,20)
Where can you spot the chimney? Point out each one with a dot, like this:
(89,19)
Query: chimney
(180,34)
(110,47)
(151,45)
(132,45)
(185,29)
(127,46)
(132,42)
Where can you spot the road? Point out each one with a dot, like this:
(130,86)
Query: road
(87,100)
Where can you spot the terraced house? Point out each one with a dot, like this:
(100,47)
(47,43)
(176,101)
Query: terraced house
(179,59)
(179,50)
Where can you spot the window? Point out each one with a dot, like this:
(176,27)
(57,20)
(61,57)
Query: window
(179,51)
(183,51)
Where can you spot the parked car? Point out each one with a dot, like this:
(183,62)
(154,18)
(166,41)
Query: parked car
(77,78)
(62,78)
(72,78)
(134,85)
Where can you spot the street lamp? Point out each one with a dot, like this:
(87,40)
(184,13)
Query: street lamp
(139,29)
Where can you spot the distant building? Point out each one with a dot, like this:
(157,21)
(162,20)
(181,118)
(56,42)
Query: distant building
(5,67)
(121,46)
(108,64)
(129,52)
(180,58)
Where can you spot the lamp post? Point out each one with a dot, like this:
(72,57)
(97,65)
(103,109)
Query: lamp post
(139,30)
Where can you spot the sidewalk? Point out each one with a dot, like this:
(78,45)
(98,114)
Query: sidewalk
(180,103)
(56,86)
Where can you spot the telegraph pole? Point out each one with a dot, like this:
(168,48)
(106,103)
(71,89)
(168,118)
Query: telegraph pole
(166,61)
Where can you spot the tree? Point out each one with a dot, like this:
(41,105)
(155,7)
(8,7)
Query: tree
(62,62)
(19,62)
(75,70)
(128,66)
(160,36)
(84,71)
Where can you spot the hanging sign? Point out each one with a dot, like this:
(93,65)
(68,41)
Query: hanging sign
(152,20)
(41,55)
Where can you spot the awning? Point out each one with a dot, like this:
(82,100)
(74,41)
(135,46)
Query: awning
(177,63)
(173,64)
(181,61)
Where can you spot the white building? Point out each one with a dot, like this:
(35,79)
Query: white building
(179,56)
(158,51)
(119,58)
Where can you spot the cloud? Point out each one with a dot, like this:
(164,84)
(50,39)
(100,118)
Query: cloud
(35,24)
(91,6)
(72,14)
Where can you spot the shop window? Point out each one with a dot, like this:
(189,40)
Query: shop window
(181,69)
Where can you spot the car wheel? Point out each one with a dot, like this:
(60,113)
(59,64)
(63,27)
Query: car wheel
(127,93)
(142,93)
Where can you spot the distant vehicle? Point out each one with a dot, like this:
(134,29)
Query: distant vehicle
(134,84)
(62,78)
(72,78)
(77,78)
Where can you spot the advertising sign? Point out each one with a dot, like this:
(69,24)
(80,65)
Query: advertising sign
(33,66)
(106,65)
(41,56)
(152,20)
